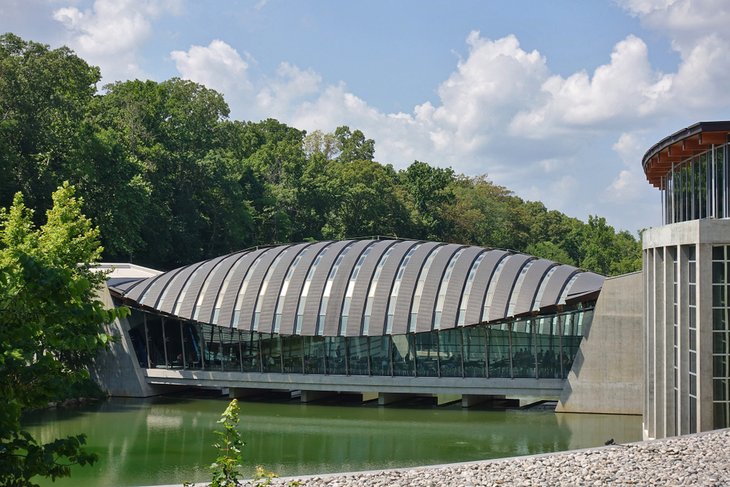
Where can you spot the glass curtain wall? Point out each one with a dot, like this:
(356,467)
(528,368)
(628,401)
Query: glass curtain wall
(698,187)
(540,347)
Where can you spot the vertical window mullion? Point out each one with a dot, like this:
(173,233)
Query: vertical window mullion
(164,342)
(182,345)
(147,340)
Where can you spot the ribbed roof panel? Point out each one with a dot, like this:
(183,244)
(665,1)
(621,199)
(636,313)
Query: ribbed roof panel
(502,281)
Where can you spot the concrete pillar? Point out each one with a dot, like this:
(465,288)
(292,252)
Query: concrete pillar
(469,400)
(369,396)
(385,398)
(705,420)
(309,396)
(443,399)
(682,420)
(241,392)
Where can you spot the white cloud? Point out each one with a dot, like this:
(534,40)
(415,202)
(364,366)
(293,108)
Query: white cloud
(291,85)
(629,147)
(620,92)
(217,66)
(110,33)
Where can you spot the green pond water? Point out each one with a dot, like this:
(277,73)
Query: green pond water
(168,440)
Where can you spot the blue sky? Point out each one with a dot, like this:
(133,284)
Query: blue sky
(557,100)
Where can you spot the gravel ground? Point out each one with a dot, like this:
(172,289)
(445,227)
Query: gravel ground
(702,459)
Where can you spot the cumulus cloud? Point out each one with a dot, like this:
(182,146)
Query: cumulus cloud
(564,139)
(110,33)
(217,66)
(630,183)
(291,85)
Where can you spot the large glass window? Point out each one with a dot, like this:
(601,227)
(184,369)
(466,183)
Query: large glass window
(697,187)
(498,351)
(475,348)
(380,359)
(336,355)
(403,353)
(314,355)
(548,347)
(358,356)
(523,352)
(292,348)
(451,353)
(510,349)
(271,358)
(427,355)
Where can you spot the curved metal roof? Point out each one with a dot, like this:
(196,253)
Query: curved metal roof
(361,287)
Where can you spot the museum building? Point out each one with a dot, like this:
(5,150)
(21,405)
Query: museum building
(307,314)
(397,316)
(686,274)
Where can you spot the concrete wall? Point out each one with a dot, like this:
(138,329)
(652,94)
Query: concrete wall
(608,373)
(116,370)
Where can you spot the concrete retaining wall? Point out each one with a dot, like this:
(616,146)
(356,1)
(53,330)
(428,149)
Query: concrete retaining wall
(608,373)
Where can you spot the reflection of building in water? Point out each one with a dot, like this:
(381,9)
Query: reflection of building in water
(686,269)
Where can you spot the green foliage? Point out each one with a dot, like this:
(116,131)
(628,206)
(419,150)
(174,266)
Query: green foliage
(226,469)
(50,327)
(170,180)
(428,191)
(549,250)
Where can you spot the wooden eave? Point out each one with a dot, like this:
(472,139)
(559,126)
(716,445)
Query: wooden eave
(682,146)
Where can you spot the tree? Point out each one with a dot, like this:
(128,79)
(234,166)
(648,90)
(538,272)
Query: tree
(50,327)
(549,250)
(367,201)
(353,146)
(44,96)
(429,190)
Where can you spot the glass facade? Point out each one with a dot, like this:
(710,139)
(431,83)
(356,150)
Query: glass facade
(697,188)
(720,336)
(535,347)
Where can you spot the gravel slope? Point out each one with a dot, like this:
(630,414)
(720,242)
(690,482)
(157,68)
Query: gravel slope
(702,459)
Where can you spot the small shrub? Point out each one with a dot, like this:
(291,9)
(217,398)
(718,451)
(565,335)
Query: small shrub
(227,466)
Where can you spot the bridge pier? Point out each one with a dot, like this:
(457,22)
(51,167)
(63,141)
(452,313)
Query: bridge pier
(385,398)
(309,396)
(469,400)
(242,392)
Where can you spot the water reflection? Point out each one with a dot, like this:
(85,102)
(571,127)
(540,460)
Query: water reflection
(167,440)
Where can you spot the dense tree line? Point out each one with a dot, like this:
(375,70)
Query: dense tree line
(170,179)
